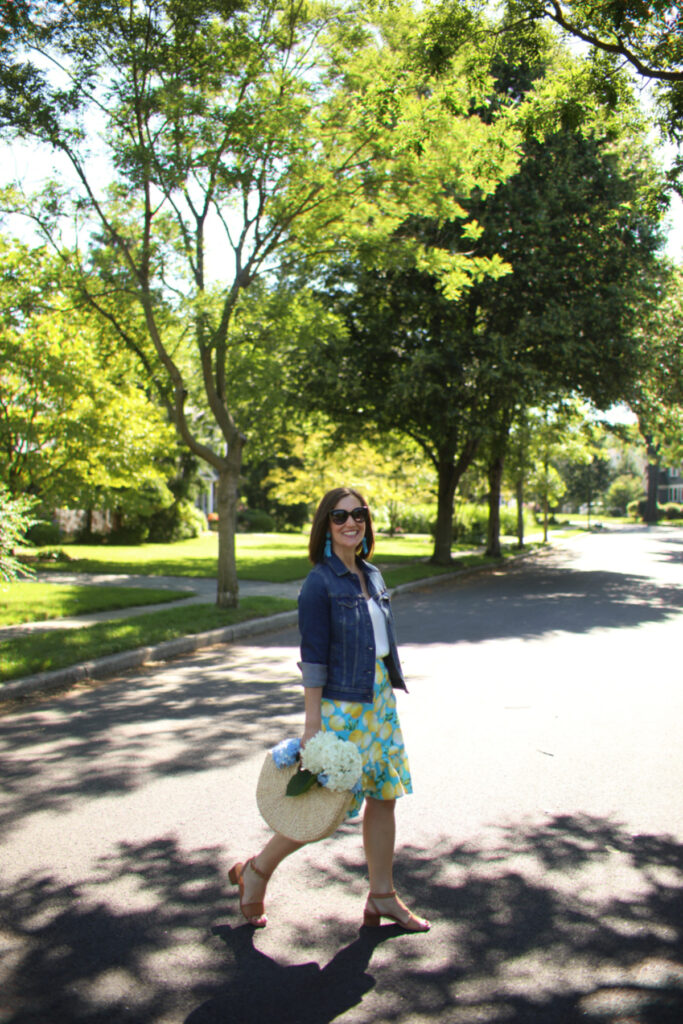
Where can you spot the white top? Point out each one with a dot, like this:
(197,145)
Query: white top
(379,628)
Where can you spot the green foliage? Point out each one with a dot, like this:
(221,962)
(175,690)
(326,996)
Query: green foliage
(671,510)
(637,509)
(624,491)
(16,517)
(450,371)
(470,522)
(74,426)
(645,37)
(255,521)
(389,471)
(180,521)
(42,533)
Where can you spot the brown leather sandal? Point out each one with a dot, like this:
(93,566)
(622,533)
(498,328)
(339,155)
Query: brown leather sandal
(372,916)
(255,913)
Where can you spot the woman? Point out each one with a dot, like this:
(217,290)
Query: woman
(349,664)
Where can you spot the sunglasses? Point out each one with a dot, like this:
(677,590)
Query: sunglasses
(340,515)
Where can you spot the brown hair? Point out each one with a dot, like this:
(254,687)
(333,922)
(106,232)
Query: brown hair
(316,541)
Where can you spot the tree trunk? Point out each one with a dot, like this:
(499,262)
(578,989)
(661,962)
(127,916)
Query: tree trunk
(545,502)
(443,536)
(519,494)
(651,514)
(449,473)
(227,587)
(495,476)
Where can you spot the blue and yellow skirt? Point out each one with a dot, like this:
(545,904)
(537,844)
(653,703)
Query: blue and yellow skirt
(376,731)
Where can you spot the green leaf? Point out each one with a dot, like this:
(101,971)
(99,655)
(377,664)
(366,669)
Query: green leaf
(301,783)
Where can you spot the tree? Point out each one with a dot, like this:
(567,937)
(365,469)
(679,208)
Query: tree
(389,470)
(75,428)
(657,394)
(230,130)
(645,37)
(577,229)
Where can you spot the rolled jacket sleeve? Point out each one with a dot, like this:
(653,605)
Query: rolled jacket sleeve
(314,627)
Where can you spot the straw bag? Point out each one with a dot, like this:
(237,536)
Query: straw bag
(313,815)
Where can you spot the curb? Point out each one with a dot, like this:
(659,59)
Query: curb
(112,664)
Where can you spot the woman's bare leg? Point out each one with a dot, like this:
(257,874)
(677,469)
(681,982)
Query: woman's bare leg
(273,853)
(379,840)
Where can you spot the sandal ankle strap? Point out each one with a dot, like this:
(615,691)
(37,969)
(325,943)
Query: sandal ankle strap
(257,871)
(382,895)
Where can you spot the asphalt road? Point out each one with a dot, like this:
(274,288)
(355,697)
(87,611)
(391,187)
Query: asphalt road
(544,838)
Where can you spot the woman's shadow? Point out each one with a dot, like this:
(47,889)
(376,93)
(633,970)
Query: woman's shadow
(261,989)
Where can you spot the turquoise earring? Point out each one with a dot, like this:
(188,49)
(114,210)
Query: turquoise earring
(328,545)
(364,546)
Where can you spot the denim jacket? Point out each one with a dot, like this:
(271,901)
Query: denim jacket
(337,639)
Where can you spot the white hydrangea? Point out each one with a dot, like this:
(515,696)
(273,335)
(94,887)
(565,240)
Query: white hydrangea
(336,762)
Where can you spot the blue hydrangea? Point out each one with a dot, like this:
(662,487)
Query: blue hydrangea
(284,754)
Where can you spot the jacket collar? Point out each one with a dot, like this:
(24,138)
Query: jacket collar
(335,563)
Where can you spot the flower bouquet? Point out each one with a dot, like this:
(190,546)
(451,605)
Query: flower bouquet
(306,794)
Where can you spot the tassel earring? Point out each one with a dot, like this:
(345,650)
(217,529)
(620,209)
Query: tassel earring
(364,546)
(328,545)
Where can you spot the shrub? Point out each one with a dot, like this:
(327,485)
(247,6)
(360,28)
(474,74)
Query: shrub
(671,510)
(86,536)
(636,509)
(180,521)
(133,531)
(254,520)
(15,520)
(470,523)
(623,491)
(43,533)
(395,518)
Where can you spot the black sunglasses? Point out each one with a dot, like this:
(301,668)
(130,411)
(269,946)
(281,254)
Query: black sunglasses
(340,515)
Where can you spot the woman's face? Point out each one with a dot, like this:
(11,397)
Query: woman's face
(347,536)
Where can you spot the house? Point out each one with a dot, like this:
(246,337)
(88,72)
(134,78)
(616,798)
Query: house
(670,486)
(207,499)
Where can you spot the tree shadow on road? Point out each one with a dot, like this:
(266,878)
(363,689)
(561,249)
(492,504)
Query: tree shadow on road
(209,712)
(538,600)
(564,921)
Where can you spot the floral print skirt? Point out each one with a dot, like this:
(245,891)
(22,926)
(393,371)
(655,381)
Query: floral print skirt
(376,731)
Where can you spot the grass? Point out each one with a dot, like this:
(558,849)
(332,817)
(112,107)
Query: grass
(272,557)
(37,602)
(276,557)
(42,652)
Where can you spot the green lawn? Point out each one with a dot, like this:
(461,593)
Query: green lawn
(43,652)
(275,557)
(278,557)
(36,602)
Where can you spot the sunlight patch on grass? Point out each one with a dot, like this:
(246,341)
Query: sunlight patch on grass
(37,602)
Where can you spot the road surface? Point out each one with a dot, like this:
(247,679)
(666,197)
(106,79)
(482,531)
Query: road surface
(544,839)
